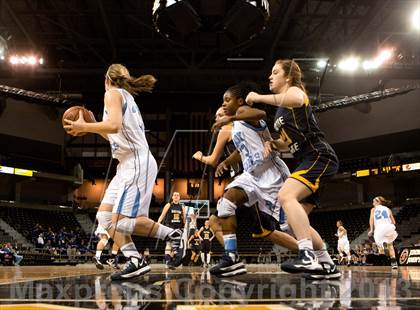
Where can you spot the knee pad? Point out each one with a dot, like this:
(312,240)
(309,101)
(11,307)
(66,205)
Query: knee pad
(225,208)
(126,225)
(104,219)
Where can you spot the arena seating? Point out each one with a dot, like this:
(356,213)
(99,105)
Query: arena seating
(407,225)
(356,222)
(4,237)
(24,220)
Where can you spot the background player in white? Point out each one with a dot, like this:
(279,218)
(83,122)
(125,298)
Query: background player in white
(382,226)
(343,244)
(192,215)
(125,207)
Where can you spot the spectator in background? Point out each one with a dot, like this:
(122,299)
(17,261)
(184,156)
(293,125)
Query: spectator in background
(260,258)
(375,249)
(361,255)
(8,248)
(40,241)
(48,246)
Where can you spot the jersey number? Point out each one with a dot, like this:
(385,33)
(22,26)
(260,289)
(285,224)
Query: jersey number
(381,214)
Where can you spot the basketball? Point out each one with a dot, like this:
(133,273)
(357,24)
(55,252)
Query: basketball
(72,114)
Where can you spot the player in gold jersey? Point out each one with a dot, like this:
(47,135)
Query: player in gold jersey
(316,161)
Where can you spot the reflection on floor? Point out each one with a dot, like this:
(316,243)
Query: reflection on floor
(264,287)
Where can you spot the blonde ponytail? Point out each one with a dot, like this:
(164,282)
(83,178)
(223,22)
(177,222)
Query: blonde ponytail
(119,76)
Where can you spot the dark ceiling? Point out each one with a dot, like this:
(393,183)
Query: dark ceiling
(80,38)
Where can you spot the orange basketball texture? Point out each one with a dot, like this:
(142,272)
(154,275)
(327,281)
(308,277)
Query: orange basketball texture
(72,114)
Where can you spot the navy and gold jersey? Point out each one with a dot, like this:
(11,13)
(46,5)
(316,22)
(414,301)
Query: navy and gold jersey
(195,241)
(299,128)
(317,161)
(206,233)
(174,216)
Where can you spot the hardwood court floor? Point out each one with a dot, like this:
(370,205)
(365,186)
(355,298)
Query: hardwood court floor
(263,287)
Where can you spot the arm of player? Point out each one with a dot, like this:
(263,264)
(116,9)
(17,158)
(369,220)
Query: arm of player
(184,215)
(279,145)
(212,160)
(199,234)
(212,234)
(340,232)
(224,165)
(93,117)
(371,223)
(244,113)
(189,240)
(113,103)
(164,212)
(391,216)
(294,97)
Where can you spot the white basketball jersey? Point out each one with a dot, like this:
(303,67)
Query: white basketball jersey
(381,215)
(249,141)
(343,237)
(131,138)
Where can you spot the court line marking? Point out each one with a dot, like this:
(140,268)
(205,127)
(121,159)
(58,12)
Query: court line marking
(40,306)
(162,273)
(109,272)
(53,278)
(224,301)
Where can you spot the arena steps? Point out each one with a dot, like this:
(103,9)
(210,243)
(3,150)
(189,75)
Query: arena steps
(85,223)
(5,237)
(17,237)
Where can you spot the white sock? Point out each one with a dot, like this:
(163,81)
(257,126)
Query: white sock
(231,244)
(98,254)
(324,257)
(129,250)
(305,243)
(202,258)
(208,258)
(162,232)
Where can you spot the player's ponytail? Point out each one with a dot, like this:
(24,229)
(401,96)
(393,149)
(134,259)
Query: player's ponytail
(119,76)
(383,201)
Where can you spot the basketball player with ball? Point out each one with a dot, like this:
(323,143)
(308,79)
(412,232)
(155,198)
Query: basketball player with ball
(124,210)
